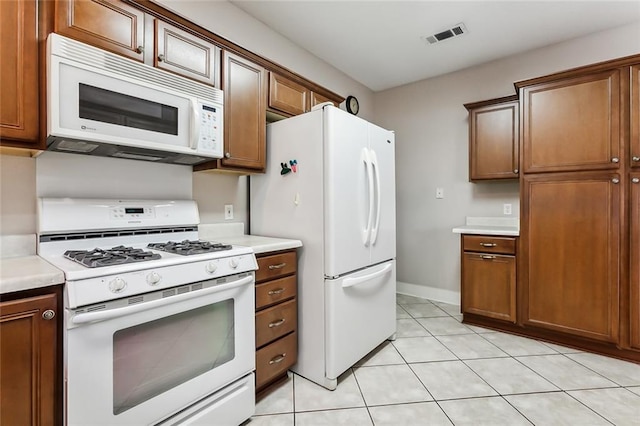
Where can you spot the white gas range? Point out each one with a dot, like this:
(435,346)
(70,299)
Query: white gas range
(159,326)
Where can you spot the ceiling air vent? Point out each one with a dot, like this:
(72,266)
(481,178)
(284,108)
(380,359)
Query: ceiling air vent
(456,30)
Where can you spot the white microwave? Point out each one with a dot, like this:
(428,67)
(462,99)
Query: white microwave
(99,103)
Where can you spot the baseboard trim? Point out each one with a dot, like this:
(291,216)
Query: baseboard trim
(431,293)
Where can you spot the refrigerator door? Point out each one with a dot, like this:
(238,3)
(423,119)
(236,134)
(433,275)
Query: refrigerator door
(360,314)
(383,234)
(348,192)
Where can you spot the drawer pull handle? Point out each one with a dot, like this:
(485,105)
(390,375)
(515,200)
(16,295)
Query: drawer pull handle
(487,257)
(278,266)
(277,323)
(488,244)
(277,359)
(276,291)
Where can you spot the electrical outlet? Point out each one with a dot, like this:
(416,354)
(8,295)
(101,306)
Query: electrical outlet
(228,211)
(506,208)
(439,192)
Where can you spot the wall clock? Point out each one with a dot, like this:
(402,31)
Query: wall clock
(352,105)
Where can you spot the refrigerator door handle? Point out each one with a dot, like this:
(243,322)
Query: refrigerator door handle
(350,282)
(366,235)
(376,172)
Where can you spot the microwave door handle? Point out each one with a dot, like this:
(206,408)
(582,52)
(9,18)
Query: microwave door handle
(194,124)
(134,309)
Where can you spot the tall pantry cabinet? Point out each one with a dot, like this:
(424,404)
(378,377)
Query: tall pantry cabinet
(578,196)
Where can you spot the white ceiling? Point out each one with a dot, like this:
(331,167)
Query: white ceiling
(378,43)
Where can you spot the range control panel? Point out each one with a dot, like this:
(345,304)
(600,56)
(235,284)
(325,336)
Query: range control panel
(126,213)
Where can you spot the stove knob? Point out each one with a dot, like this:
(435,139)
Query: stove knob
(116,285)
(153,278)
(211,267)
(234,263)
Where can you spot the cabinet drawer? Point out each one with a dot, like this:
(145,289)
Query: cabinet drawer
(277,265)
(276,358)
(489,244)
(275,291)
(275,322)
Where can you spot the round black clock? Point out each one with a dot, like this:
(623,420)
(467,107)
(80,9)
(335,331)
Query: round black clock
(352,105)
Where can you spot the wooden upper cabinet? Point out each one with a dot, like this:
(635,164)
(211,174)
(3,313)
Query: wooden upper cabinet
(245,104)
(493,139)
(634,199)
(109,24)
(183,53)
(572,123)
(28,360)
(635,116)
(316,98)
(19,67)
(287,96)
(571,227)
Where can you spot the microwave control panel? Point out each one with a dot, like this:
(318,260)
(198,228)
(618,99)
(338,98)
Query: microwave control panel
(210,129)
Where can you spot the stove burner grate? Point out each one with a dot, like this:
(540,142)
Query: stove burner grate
(189,247)
(97,258)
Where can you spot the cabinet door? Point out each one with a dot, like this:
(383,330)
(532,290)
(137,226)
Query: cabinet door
(635,116)
(287,96)
(109,24)
(634,258)
(183,53)
(572,124)
(28,362)
(571,230)
(493,141)
(244,86)
(317,98)
(19,118)
(489,285)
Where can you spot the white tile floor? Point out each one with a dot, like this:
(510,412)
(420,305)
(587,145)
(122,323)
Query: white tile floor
(441,372)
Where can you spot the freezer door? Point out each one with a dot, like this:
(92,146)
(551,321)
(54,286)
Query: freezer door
(382,153)
(348,192)
(360,314)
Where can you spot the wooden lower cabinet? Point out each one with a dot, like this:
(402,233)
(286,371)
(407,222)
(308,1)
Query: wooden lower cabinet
(489,279)
(29,360)
(276,316)
(571,232)
(634,199)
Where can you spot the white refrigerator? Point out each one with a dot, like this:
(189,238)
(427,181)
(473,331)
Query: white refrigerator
(338,198)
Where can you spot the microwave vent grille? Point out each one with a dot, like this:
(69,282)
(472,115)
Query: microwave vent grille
(88,55)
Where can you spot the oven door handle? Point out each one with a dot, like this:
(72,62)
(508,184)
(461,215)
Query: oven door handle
(133,309)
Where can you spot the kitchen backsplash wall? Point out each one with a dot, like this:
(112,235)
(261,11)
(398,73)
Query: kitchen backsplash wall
(52,174)
(17,195)
(82,176)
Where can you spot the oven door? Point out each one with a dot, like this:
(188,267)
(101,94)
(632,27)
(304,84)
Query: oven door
(139,364)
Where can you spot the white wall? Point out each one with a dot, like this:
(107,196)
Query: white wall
(432,151)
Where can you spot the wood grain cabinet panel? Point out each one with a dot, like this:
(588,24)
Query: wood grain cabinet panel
(634,264)
(274,360)
(489,285)
(489,244)
(493,139)
(183,53)
(571,232)
(572,124)
(287,96)
(276,265)
(28,362)
(245,113)
(275,291)
(275,322)
(19,67)
(635,117)
(316,98)
(109,24)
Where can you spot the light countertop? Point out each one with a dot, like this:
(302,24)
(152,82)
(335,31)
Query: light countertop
(20,267)
(234,234)
(490,226)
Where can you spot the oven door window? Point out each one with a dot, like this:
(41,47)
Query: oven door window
(154,357)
